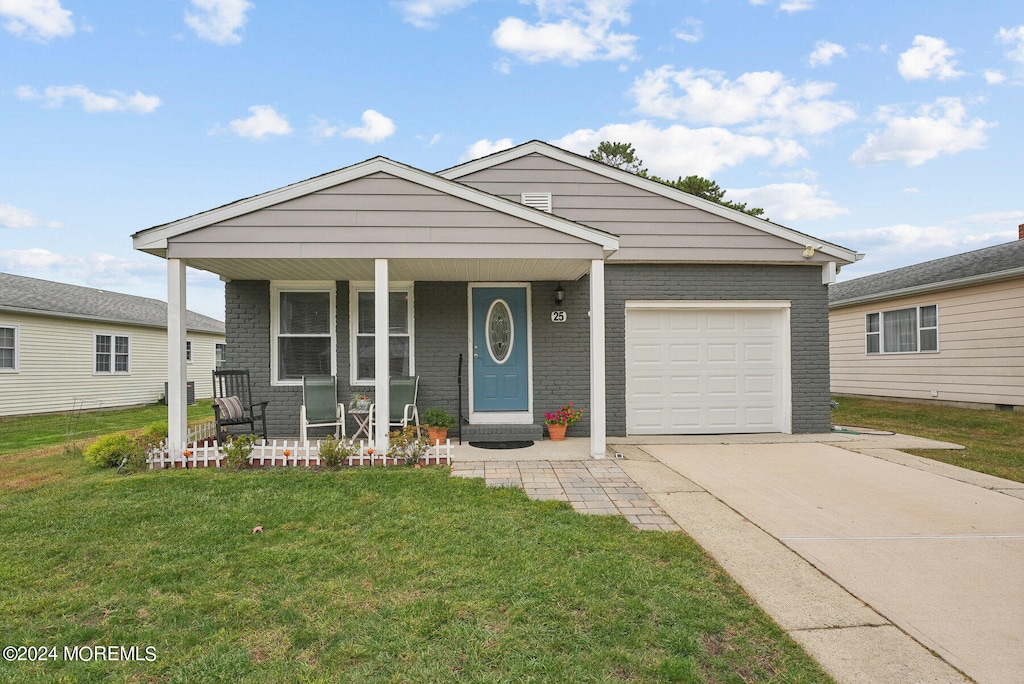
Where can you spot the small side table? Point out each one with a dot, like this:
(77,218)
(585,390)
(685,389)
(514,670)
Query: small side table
(362,418)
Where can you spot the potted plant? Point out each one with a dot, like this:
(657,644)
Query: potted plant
(438,422)
(360,402)
(558,421)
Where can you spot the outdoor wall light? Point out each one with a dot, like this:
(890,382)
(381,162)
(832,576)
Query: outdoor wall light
(559,294)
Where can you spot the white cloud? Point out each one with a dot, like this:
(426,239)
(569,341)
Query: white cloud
(376,127)
(789,201)
(997,218)
(582,34)
(763,101)
(941,128)
(15,217)
(825,52)
(114,101)
(676,150)
(690,30)
(796,5)
(218,21)
(1015,37)
(39,20)
(930,57)
(482,148)
(424,13)
(994,77)
(264,121)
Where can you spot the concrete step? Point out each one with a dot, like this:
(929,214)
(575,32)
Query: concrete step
(502,433)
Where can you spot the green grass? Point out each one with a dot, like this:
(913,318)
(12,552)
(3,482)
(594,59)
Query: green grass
(994,439)
(364,575)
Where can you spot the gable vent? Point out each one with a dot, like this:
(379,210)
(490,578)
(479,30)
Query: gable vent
(538,200)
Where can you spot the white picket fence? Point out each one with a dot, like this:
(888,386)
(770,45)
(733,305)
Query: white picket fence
(281,453)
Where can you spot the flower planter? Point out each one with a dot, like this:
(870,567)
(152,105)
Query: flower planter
(436,434)
(557,432)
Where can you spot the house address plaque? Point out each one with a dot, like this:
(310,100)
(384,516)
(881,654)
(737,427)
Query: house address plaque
(558,317)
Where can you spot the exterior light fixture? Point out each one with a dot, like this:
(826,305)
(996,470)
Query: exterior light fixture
(559,294)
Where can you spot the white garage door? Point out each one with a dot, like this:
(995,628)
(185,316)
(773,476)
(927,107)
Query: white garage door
(707,370)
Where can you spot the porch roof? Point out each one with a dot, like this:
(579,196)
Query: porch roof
(333,226)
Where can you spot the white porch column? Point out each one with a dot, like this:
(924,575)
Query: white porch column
(598,422)
(381,337)
(177,409)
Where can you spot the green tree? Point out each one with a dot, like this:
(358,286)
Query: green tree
(621,155)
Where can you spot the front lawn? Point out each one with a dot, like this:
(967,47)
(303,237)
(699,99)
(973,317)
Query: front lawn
(364,575)
(994,439)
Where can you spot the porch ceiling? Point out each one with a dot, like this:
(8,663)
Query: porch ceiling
(471,270)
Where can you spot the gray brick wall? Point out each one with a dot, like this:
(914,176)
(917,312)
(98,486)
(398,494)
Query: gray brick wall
(808,319)
(561,351)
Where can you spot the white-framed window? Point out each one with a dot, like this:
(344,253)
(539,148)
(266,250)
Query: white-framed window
(902,331)
(113,354)
(188,351)
(302,325)
(219,349)
(8,348)
(400,331)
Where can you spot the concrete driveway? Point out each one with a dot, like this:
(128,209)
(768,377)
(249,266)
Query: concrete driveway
(886,567)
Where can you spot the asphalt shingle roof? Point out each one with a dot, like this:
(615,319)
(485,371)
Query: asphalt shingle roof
(980,262)
(49,298)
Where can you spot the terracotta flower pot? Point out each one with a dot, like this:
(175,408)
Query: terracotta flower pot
(556,432)
(436,434)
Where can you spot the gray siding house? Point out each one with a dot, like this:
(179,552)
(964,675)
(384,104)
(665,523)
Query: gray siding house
(559,279)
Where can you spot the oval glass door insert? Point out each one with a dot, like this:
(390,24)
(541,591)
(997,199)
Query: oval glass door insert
(500,333)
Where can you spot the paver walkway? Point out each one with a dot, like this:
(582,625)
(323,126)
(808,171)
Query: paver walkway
(591,487)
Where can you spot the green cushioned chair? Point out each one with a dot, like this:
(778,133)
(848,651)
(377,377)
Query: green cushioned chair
(320,407)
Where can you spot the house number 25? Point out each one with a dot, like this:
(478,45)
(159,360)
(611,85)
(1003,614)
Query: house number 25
(558,317)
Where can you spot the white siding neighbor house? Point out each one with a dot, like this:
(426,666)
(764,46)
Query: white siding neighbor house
(946,331)
(65,346)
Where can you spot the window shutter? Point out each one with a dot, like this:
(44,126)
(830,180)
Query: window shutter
(538,200)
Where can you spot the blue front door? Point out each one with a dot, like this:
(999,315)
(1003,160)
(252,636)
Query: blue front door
(500,349)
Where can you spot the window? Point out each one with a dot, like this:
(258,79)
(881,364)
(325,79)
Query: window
(219,349)
(902,331)
(302,332)
(188,351)
(400,332)
(112,354)
(8,348)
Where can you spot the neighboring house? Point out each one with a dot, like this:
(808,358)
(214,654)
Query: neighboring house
(676,315)
(949,330)
(64,346)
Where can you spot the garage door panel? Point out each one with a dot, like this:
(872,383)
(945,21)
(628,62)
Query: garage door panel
(702,370)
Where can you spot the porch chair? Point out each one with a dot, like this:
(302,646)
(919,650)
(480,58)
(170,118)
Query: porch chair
(320,407)
(233,405)
(404,391)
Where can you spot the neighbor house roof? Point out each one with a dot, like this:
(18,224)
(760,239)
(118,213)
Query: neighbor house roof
(999,262)
(45,297)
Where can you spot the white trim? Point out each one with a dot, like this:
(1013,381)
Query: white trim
(381,374)
(177,375)
(503,417)
(155,239)
(354,288)
(17,346)
(784,307)
(113,352)
(581,162)
(709,304)
(598,408)
(276,288)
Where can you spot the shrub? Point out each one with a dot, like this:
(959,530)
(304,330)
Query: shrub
(438,418)
(406,446)
(109,451)
(142,445)
(237,450)
(158,429)
(333,452)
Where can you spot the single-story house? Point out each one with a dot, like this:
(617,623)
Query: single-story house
(557,278)
(946,331)
(65,347)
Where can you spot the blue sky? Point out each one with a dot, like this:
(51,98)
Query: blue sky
(891,128)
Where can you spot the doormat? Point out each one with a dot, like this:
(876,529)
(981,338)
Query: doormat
(501,445)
